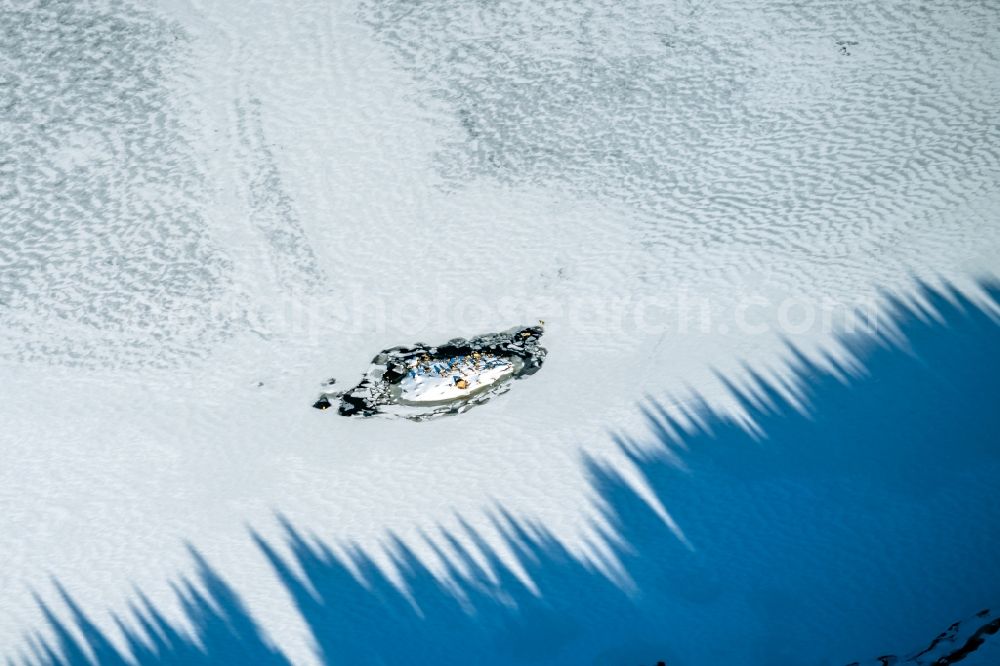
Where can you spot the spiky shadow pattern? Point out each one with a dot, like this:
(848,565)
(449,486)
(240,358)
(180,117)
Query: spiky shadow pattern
(860,519)
(225,632)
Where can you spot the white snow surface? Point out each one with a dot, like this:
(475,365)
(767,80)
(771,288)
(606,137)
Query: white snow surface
(296,187)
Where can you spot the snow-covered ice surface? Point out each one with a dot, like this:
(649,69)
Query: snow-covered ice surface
(208,209)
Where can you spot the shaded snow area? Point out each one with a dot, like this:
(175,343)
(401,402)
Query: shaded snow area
(761,237)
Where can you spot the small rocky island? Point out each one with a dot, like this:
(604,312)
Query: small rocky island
(420,382)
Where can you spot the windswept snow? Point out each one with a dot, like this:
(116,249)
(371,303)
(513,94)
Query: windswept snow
(208,209)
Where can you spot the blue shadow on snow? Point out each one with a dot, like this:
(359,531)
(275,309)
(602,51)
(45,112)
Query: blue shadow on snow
(863,521)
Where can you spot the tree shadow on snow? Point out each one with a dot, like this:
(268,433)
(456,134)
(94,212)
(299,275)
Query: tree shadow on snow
(862,517)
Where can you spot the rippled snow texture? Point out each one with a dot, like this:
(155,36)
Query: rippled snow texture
(726,124)
(104,246)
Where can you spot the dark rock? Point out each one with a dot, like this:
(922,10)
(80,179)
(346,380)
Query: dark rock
(421,381)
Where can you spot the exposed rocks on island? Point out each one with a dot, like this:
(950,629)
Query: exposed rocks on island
(420,381)
(951,646)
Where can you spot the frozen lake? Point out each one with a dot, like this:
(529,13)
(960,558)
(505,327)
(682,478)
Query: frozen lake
(209,209)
